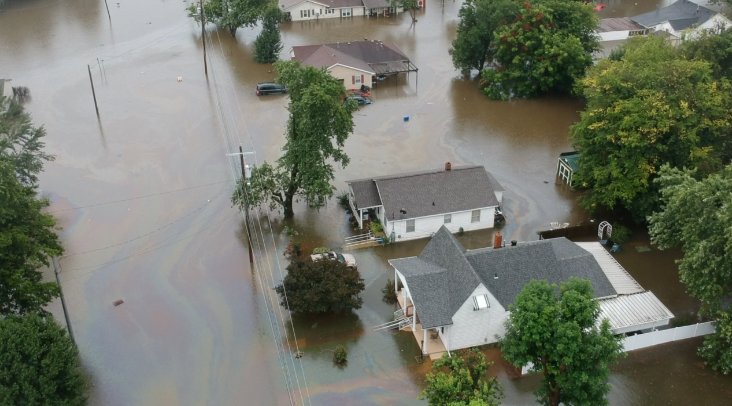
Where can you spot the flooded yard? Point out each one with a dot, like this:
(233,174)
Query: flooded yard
(142,192)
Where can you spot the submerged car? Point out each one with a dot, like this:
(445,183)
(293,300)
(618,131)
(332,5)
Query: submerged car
(347,259)
(359,99)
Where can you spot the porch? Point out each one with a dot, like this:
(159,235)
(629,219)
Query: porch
(429,340)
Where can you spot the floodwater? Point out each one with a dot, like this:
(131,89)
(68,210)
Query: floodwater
(143,196)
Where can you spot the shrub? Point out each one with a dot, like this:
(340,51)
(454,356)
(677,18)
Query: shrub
(321,250)
(343,199)
(620,234)
(376,227)
(293,251)
(340,355)
(389,292)
(461,231)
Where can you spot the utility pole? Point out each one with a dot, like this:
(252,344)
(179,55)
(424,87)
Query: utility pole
(246,204)
(92,86)
(203,39)
(63,303)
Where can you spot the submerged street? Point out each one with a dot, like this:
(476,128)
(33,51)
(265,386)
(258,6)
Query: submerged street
(142,192)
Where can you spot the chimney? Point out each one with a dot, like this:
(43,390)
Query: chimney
(513,243)
(497,240)
(448,166)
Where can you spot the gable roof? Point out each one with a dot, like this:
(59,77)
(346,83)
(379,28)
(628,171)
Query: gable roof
(444,275)
(370,56)
(376,3)
(288,4)
(427,193)
(554,260)
(682,14)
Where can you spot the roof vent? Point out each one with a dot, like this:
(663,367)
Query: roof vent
(496,276)
(448,166)
(433,203)
(349,43)
(513,243)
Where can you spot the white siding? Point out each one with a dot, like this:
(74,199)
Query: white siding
(471,328)
(426,226)
(614,35)
(318,8)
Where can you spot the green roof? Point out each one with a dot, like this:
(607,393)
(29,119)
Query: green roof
(570,158)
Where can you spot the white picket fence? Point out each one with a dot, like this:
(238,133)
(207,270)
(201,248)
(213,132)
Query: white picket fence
(639,341)
(645,340)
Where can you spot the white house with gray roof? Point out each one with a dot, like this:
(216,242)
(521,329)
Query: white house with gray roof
(416,205)
(683,17)
(461,297)
(303,10)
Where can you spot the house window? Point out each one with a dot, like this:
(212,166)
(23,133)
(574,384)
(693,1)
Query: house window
(306,13)
(475,218)
(448,218)
(410,226)
(357,79)
(480,302)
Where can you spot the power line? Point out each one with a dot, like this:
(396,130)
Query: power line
(139,197)
(151,232)
(274,325)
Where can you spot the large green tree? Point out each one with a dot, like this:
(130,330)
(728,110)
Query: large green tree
(696,216)
(28,241)
(38,364)
(716,49)
(479,19)
(21,142)
(268,44)
(646,108)
(559,333)
(321,286)
(230,14)
(409,5)
(318,126)
(464,383)
(545,49)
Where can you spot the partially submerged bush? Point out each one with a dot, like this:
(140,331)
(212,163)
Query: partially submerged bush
(340,355)
(321,250)
(620,234)
(389,292)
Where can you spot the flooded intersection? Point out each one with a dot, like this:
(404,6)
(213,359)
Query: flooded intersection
(143,196)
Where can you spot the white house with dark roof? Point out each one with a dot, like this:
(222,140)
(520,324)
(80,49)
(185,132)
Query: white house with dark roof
(416,205)
(459,298)
(302,10)
(355,63)
(683,17)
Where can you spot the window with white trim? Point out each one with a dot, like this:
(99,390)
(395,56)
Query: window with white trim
(448,218)
(410,226)
(480,302)
(358,78)
(475,217)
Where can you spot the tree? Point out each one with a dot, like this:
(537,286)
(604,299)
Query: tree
(27,242)
(230,14)
(716,49)
(464,383)
(559,333)
(20,141)
(317,128)
(321,286)
(648,108)
(479,19)
(545,49)
(410,5)
(696,216)
(268,44)
(38,363)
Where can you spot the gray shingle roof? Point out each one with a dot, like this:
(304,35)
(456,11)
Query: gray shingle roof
(365,194)
(430,193)
(681,10)
(445,274)
(554,260)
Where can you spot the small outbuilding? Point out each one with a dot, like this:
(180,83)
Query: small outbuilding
(566,166)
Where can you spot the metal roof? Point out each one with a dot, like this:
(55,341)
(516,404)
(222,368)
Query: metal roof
(633,310)
(619,24)
(570,158)
(621,280)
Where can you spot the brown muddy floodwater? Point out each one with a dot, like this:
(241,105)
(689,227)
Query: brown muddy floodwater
(143,196)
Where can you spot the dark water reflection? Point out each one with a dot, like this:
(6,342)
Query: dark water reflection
(194,328)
